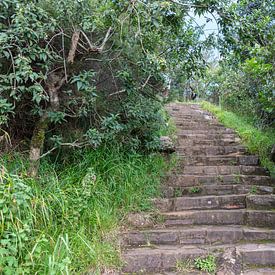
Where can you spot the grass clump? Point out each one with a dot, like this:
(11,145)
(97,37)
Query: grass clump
(207,264)
(258,141)
(66,221)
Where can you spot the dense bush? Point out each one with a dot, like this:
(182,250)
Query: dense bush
(243,80)
(89,70)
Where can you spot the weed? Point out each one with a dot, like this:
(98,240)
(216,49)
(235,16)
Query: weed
(195,189)
(177,192)
(237,178)
(233,162)
(253,189)
(207,264)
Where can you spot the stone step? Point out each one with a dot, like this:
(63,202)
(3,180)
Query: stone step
(197,131)
(257,254)
(213,142)
(218,160)
(208,150)
(213,189)
(197,180)
(160,258)
(263,202)
(200,126)
(205,136)
(197,235)
(257,218)
(202,202)
(223,170)
(256,202)
(166,258)
(259,271)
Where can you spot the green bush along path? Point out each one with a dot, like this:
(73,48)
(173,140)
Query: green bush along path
(216,214)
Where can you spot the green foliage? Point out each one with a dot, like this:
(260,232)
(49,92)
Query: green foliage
(194,189)
(121,64)
(66,220)
(207,264)
(257,141)
(243,80)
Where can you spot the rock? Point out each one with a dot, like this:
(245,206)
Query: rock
(166,144)
(139,220)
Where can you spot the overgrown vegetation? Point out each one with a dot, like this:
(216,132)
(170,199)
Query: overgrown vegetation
(78,77)
(65,221)
(257,141)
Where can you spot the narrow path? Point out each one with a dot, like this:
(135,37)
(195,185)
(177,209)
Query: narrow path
(218,202)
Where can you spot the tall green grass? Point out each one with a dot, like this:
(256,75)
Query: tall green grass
(258,141)
(66,221)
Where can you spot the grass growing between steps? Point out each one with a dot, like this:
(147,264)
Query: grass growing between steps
(257,141)
(66,221)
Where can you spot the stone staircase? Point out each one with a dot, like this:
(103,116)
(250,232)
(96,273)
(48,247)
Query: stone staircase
(218,201)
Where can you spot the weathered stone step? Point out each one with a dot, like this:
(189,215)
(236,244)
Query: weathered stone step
(257,218)
(196,180)
(262,202)
(259,271)
(160,258)
(257,254)
(213,142)
(218,160)
(165,258)
(196,121)
(213,189)
(200,126)
(223,170)
(208,150)
(197,235)
(205,132)
(205,136)
(201,202)
(257,202)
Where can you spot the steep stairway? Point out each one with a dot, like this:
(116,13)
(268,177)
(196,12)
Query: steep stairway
(217,202)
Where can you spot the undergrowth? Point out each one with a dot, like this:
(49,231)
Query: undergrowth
(257,141)
(66,221)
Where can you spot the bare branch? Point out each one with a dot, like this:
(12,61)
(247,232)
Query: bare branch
(95,48)
(117,93)
(74,42)
(105,39)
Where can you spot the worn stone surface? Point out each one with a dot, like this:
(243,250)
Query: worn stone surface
(217,201)
(260,202)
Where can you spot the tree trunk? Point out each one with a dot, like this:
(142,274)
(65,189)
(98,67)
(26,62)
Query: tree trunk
(53,84)
(37,143)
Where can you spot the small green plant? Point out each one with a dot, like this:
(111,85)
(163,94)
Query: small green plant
(195,189)
(207,264)
(177,192)
(253,189)
(233,162)
(237,178)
